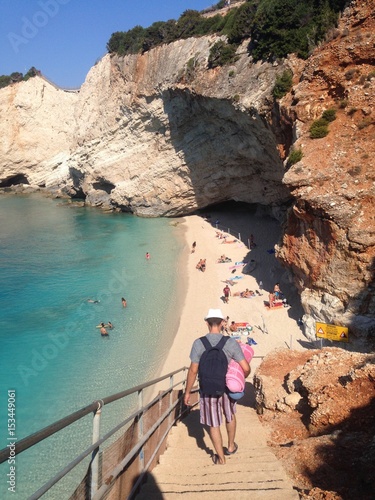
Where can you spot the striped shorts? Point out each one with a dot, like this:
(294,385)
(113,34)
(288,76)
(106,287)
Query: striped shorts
(213,407)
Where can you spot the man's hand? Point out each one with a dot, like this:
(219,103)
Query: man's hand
(245,367)
(191,376)
(187,398)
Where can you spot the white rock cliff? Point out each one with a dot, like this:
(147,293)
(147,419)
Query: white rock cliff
(155,134)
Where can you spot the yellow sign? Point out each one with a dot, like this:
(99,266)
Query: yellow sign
(332,332)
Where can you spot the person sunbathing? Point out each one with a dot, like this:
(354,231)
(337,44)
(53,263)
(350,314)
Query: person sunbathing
(223,259)
(271,299)
(275,302)
(245,294)
(276,290)
(233,327)
(201,266)
(220,235)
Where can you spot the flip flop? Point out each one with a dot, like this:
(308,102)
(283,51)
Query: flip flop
(216,460)
(227,452)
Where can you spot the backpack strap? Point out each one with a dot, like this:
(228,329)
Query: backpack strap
(205,343)
(219,345)
(222,342)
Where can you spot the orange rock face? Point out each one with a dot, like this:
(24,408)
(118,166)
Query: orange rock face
(326,440)
(329,241)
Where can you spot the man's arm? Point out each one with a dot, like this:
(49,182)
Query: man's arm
(191,376)
(245,367)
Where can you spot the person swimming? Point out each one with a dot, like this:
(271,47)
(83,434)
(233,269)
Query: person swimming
(92,301)
(103,331)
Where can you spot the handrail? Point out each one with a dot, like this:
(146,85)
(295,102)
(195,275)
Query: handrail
(228,230)
(51,429)
(97,491)
(110,433)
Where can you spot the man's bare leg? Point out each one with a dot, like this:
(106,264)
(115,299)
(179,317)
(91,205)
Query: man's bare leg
(217,441)
(231,431)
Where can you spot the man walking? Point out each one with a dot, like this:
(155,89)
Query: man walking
(226,292)
(212,408)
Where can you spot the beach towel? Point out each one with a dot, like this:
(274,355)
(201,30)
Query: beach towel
(235,378)
(238,264)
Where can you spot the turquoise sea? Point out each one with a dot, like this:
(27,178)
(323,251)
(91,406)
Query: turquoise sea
(55,256)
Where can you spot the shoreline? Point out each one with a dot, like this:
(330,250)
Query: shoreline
(272,329)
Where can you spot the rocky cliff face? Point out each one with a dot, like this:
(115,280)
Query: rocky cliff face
(320,408)
(37,124)
(156,134)
(164,136)
(329,240)
(160,134)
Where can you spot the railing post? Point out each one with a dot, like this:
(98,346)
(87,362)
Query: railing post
(95,453)
(140,430)
(170,397)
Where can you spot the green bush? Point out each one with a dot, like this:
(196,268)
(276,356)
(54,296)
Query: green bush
(319,129)
(294,157)
(283,84)
(276,28)
(220,5)
(16,76)
(129,42)
(329,115)
(352,111)
(282,27)
(5,80)
(239,22)
(221,53)
(190,68)
(343,103)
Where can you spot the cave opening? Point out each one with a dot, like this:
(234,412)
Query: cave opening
(229,206)
(14,180)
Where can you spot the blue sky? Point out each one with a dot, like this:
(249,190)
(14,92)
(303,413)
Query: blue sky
(64,38)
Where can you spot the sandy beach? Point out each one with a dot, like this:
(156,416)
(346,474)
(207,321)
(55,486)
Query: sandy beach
(271,329)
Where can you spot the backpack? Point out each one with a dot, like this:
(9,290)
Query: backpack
(213,367)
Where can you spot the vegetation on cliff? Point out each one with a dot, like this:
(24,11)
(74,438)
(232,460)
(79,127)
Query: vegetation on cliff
(319,128)
(17,77)
(275,28)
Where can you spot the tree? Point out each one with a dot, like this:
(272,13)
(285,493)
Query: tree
(187,23)
(221,53)
(5,80)
(16,76)
(283,84)
(31,73)
(240,21)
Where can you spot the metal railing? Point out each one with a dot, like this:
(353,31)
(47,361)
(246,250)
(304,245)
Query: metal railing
(173,411)
(224,229)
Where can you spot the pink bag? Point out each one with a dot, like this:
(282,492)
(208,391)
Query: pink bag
(235,379)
